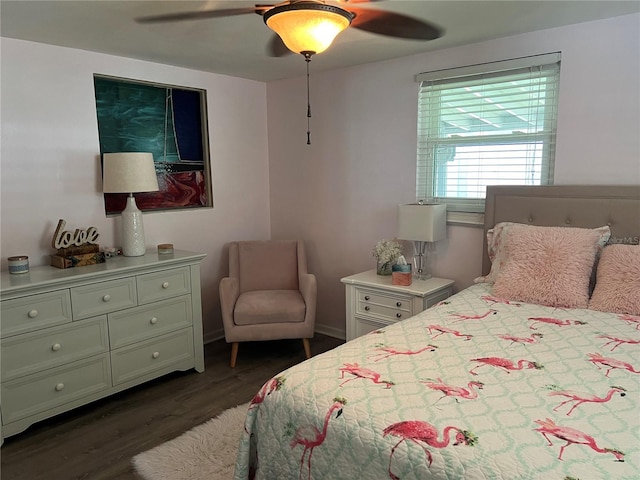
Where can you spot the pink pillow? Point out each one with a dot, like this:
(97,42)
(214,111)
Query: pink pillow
(548,265)
(496,238)
(618,280)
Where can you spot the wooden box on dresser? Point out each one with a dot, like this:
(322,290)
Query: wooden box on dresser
(71,336)
(372,302)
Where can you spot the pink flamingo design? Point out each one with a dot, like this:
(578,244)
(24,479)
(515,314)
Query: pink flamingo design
(504,363)
(361,372)
(310,437)
(493,300)
(533,338)
(267,389)
(442,330)
(631,319)
(554,321)
(386,352)
(473,317)
(571,435)
(424,433)
(618,341)
(612,363)
(453,391)
(580,397)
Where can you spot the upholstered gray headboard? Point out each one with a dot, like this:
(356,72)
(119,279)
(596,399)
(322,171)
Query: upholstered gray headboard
(586,206)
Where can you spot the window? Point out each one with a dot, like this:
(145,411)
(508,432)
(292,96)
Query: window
(490,124)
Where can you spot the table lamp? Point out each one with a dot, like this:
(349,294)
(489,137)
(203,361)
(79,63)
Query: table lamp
(130,172)
(424,224)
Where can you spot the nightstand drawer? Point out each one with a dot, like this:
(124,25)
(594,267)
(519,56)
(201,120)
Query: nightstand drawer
(53,347)
(26,314)
(139,359)
(41,391)
(164,284)
(392,307)
(140,323)
(104,297)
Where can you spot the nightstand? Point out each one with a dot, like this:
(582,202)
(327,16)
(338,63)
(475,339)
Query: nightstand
(373,302)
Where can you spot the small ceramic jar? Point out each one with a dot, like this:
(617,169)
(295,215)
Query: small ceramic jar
(18,264)
(165,249)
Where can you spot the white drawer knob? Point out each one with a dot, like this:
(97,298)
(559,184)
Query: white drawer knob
(55,347)
(106,298)
(155,354)
(33,313)
(153,320)
(165,285)
(59,387)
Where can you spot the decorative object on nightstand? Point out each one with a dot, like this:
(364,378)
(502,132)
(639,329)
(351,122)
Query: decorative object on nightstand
(373,302)
(401,273)
(387,253)
(130,172)
(424,224)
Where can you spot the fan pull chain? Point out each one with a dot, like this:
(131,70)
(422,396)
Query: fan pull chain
(307,58)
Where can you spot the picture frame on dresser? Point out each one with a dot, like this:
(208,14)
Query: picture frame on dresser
(72,336)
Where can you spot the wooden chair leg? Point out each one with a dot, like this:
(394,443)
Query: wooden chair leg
(307,347)
(234,354)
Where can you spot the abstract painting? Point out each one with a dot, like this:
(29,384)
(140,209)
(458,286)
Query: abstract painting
(166,120)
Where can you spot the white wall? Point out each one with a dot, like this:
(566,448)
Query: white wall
(50,166)
(340,193)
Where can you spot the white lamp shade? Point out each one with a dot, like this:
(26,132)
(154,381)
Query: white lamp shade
(129,172)
(422,222)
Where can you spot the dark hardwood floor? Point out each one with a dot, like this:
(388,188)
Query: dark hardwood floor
(97,441)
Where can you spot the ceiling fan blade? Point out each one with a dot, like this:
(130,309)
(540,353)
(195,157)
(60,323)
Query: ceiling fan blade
(276,47)
(196,15)
(394,24)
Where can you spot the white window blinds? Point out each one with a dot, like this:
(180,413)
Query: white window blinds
(490,124)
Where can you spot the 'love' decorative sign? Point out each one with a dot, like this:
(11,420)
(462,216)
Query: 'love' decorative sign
(65,239)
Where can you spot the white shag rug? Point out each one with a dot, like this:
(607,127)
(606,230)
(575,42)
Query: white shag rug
(205,452)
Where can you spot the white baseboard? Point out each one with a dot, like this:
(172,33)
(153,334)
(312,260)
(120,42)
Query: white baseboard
(331,331)
(323,329)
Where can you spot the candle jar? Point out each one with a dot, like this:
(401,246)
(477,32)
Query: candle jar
(18,264)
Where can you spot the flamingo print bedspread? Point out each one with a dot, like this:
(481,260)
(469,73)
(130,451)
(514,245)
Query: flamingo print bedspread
(473,388)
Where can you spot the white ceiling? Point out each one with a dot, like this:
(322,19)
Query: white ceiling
(236,45)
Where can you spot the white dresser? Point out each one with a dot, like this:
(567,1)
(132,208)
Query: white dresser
(372,302)
(72,336)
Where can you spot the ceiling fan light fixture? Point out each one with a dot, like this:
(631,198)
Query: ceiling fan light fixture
(306,27)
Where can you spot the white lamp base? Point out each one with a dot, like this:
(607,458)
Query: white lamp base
(132,230)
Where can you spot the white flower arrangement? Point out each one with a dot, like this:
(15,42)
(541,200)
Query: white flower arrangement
(387,251)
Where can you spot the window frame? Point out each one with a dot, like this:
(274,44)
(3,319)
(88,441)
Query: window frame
(427,164)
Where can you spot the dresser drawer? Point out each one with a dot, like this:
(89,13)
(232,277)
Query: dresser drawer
(140,323)
(104,297)
(52,347)
(35,393)
(392,307)
(164,284)
(146,357)
(26,314)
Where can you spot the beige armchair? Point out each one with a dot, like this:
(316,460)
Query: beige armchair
(268,294)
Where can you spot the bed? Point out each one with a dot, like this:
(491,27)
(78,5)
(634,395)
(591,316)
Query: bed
(484,385)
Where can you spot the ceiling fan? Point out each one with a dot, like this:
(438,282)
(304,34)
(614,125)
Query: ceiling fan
(309,27)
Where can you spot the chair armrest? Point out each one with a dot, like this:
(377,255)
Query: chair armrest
(229,292)
(309,292)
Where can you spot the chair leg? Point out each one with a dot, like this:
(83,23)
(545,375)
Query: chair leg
(307,347)
(234,354)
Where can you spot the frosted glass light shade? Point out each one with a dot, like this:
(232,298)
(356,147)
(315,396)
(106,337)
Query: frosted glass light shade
(307,27)
(422,222)
(129,172)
